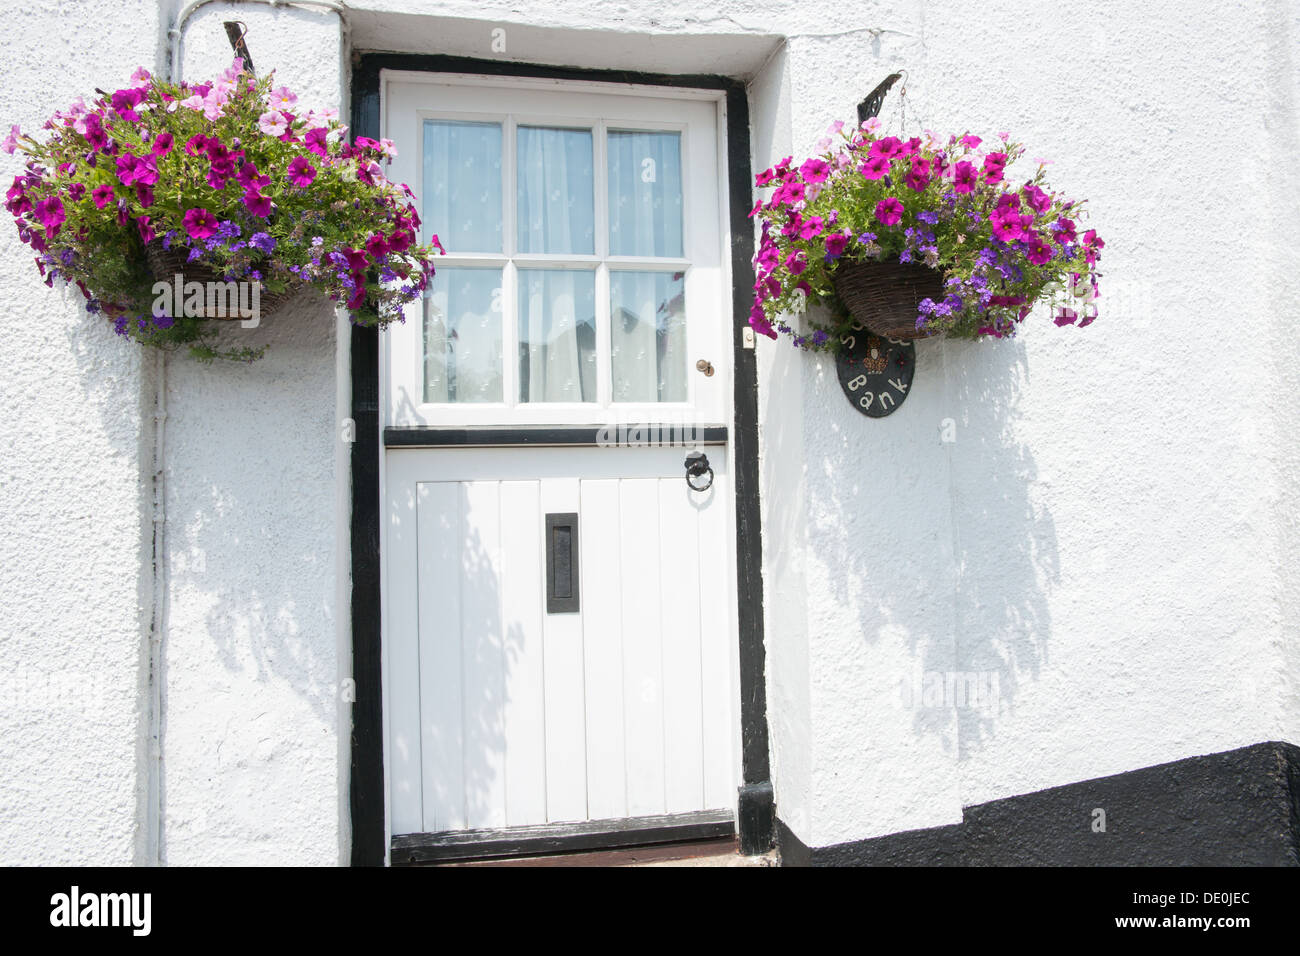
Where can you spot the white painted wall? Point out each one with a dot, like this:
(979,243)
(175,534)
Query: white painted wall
(74,576)
(1111,533)
(253,770)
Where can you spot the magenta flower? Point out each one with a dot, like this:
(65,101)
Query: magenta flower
(796,262)
(315,140)
(1092,240)
(919,175)
(49,213)
(95,135)
(970,141)
(200,223)
(875,167)
(811,228)
(102,196)
(399,240)
(76,191)
(836,243)
(196,144)
(1064,229)
(889,147)
(889,211)
(144,193)
(994,165)
(377,245)
(16,200)
(814,171)
(162,145)
(146,231)
(1039,252)
(759,323)
(1038,200)
(301,172)
(128,168)
(965,177)
(258,203)
(125,102)
(11,141)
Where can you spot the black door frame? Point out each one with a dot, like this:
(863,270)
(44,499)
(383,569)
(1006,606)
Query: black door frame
(755,804)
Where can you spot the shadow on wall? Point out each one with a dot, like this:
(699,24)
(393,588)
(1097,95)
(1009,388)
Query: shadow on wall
(1004,539)
(930,538)
(251,512)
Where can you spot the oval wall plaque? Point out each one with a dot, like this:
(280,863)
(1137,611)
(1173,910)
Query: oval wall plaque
(875,372)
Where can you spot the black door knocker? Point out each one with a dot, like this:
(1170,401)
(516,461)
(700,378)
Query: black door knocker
(697,466)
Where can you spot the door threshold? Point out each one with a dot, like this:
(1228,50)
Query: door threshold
(721,852)
(567,838)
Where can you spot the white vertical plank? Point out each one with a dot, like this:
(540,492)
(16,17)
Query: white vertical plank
(602,625)
(717,644)
(680,597)
(524,593)
(642,646)
(402,634)
(483,664)
(566,723)
(439,668)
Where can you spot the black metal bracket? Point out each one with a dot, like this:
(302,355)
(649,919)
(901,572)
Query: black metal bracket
(876,98)
(236,36)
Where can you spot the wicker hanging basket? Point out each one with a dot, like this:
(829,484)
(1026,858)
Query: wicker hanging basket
(884,296)
(166,264)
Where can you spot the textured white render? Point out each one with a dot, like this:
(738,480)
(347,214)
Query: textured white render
(74,558)
(1113,532)
(251,764)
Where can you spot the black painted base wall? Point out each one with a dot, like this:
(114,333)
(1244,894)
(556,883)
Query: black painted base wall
(1238,808)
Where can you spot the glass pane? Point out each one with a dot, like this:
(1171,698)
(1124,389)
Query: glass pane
(648,336)
(645,194)
(556,191)
(462,184)
(462,336)
(557,336)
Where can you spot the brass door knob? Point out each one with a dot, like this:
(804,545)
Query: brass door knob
(705,366)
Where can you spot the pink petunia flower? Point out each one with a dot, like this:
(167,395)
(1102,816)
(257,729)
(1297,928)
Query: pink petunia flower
(814,171)
(162,145)
(301,172)
(200,223)
(258,203)
(102,196)
(965,177)
(875,167)
(1039,252)
(889,211)
(272,123)
(281,98)
(11,141)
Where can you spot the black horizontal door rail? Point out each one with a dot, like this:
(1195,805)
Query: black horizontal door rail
(651,435)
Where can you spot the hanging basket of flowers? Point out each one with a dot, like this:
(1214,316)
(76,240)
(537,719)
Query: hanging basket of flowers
(916,238)
(170,205)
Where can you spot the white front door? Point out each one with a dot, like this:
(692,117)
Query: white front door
(559,602)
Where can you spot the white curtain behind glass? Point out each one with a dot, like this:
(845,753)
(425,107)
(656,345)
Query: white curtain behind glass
(648,333)
(462,184)
(556,214)
(557,336)
(648,336)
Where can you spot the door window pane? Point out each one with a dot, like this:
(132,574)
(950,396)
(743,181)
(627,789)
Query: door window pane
(645,194)
(648,336)
(557,336)
(462,336)
(556,191)
(462,184)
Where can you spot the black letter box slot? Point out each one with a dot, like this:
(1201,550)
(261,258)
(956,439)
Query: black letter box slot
(561,563)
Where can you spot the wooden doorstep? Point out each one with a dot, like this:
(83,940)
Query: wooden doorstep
(622,856)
